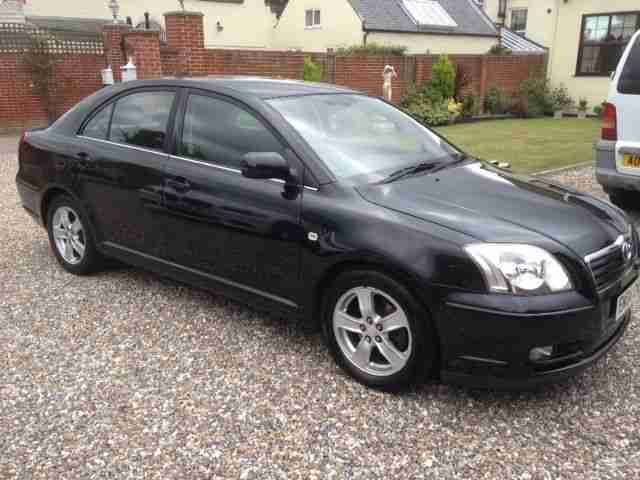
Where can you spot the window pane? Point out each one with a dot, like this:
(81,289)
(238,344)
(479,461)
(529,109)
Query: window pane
(309,18)
(630,76)
(590,56)
(219,132)
(596,28)
(98,126)
(141,119)
(316,17)
(519,20)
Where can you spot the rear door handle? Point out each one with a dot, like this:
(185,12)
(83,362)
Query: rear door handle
(179,184)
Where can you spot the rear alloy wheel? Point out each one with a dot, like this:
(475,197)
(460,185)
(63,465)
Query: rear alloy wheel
(377,331)
(70,238)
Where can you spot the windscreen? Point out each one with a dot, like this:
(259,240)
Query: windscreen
(355,135)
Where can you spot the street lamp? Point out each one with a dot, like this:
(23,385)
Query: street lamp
(115,8)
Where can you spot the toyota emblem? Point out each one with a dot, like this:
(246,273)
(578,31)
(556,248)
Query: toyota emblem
(627,251)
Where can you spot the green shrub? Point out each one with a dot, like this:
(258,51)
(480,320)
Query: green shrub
(583,104)
(497,101)
(560,98)
(443,78)
(312,71)
(431,114)
(534,97)
(462,81)
(372,49)
(470,106)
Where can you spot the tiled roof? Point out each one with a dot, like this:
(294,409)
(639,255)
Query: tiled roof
(390,15)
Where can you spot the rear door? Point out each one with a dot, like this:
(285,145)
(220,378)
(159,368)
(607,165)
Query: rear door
(625,95)
(120,169)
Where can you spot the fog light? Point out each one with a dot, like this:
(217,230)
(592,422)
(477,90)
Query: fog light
(540,353)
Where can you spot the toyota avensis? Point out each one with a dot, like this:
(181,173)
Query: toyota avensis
(320,202)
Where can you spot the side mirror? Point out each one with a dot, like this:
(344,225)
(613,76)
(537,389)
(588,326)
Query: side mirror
(265,165)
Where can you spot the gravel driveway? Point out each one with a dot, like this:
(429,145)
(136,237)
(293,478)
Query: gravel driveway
(126,375)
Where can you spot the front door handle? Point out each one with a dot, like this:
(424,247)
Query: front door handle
(84,161)
(179,184)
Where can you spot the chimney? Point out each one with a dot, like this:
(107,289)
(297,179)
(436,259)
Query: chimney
(12,11)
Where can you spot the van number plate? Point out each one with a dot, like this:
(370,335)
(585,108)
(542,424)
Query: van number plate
(631,161)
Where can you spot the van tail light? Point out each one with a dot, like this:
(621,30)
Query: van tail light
(610,122)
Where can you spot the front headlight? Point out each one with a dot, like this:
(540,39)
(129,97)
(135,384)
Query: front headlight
(519,269)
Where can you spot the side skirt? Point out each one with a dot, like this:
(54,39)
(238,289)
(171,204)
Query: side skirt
(228,288)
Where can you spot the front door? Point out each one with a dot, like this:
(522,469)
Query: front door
(244,232)
(120,165)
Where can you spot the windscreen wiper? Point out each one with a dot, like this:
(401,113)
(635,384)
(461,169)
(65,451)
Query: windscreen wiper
(410,170)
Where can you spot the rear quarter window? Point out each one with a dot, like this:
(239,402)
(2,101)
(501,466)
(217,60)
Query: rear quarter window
(629,83)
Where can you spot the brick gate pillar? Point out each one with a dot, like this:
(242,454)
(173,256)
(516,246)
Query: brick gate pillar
(145,45)
(185,33)
(113,37)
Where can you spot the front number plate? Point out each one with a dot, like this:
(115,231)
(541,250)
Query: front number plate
(624,301)
(631,161)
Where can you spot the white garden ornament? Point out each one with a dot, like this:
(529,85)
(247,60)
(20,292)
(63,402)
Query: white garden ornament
(388,74)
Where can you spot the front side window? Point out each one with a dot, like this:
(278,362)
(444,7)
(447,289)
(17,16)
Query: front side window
(312,18)
(141,119)
(519,20)
(603,40)
(219,132)
(98,126)
(359,136)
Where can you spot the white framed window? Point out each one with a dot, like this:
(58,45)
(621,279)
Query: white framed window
(312,18)
(519,20)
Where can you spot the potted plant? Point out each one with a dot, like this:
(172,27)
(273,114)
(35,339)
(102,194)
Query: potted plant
(582,108)
(561,101)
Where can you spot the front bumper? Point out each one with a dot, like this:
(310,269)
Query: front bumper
(487,339)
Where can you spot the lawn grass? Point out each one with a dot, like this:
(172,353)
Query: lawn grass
(529,145)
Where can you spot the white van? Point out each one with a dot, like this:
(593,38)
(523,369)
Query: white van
(618,152)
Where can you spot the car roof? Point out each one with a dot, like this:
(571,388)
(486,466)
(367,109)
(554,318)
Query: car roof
(264,88)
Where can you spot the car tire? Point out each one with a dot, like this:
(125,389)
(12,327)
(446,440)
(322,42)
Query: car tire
(71,238)
(389,343)
(625,199)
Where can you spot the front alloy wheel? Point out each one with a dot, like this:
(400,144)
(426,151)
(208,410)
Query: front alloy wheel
(377,330)
(372,331)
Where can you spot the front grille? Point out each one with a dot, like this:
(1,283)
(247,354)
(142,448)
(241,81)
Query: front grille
(608,265)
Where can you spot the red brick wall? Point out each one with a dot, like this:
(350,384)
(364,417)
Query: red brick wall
(170,59)
(76,76)
(509,71)
(253,62)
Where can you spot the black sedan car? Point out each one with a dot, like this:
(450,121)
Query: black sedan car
(320,202)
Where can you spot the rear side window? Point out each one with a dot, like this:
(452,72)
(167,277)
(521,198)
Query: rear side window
(141,119)
(98,126)
(630,77)
(220,132)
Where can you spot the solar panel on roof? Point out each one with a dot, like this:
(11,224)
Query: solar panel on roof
(429,12)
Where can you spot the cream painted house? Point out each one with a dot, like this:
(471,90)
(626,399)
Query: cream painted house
(424,26)
(227,23)
(585,37)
